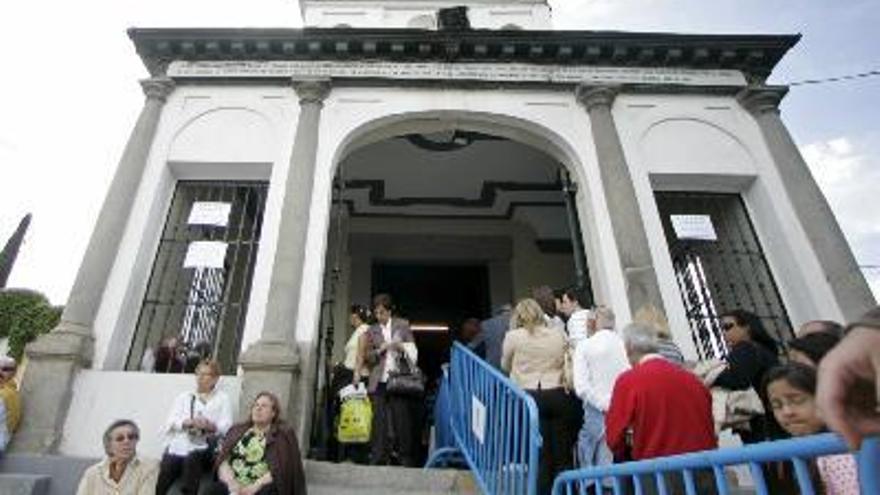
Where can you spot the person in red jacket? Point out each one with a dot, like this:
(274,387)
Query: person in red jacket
(666,408)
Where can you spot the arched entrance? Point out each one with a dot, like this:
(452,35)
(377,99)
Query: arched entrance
(453,218)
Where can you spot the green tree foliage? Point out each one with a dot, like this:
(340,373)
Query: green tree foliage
(24,315)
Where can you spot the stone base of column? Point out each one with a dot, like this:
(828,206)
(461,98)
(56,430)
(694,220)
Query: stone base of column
(53,361)
(270,366)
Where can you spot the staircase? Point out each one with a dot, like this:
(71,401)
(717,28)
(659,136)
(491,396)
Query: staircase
(350,479)
(59,475)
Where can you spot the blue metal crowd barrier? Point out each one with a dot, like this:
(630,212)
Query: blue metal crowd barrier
(659,471)
(494,426)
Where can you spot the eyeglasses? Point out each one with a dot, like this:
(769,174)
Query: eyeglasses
(727,325)
(129,436)
(8,368)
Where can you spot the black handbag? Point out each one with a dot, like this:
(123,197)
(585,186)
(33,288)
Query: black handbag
(407,380)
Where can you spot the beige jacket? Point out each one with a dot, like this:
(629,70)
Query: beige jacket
(534,360)
(139,478)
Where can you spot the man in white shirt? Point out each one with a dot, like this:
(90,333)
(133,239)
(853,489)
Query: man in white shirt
(598,361)
(197,420)
(571,305)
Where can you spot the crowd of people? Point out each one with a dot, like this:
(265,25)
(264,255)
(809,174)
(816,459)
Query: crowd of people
(604,395)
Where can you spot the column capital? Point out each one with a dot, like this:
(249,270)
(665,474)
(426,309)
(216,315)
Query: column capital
(762,99)
(157,88)
(311,90)
(594,96)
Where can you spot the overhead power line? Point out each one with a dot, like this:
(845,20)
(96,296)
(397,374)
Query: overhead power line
(848,77)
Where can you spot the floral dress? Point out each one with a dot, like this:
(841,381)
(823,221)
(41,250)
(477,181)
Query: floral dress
(248,458)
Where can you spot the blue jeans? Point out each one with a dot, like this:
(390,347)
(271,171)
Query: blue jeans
(591,447)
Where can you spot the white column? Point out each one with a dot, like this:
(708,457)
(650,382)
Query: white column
(54,358)
(642,289)
(273,362)
(839,266)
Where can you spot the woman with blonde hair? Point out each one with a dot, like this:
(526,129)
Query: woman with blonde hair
(533,355)
(656,320)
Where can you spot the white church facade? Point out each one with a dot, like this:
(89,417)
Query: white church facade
(455,159)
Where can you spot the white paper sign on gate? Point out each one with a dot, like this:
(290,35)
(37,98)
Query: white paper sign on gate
(205,254)
(696,227)
(478,418)
(215,213)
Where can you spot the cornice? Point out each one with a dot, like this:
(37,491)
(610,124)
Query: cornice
(755,55)
(762,99)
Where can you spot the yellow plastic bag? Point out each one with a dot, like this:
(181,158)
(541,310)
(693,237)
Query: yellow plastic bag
(355,420)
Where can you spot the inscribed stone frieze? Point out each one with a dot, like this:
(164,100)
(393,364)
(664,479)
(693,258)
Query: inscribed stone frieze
(458,71)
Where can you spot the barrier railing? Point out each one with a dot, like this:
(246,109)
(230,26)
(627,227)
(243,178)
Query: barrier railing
(494,426)
(658,475)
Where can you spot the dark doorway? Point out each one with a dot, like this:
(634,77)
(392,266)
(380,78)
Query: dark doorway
(432,296)
(430,293)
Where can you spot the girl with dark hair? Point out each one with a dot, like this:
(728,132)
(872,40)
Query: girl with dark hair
(791,391)
(261,455)
(751,352)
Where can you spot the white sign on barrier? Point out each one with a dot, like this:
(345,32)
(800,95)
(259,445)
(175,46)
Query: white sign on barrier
(478,418)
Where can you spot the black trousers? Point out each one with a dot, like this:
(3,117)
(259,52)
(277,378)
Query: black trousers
(394,428)
(556,410)
(219,488)
(189,469)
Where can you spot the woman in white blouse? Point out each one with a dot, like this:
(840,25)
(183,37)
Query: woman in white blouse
(198,419)
(356,344)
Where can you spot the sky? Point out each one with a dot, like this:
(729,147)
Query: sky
(69,97)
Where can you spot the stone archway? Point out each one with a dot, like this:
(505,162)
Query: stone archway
(442,189)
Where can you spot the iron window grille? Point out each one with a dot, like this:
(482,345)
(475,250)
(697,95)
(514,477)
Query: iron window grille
(729,272)
(201,277)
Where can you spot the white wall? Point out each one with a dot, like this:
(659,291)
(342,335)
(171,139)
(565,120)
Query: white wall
(101,397)
(205,132)
(710,143)
(483,14)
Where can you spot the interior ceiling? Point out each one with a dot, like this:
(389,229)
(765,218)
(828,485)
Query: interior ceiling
(489,178)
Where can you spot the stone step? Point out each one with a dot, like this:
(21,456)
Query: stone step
(336,490)
(24,484)
(59,475)
(367,480)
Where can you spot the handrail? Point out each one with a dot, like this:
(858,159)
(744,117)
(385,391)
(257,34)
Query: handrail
(798,451)
(494,426)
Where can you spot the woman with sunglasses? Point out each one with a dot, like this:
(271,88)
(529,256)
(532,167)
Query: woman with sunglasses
(122,471)
(751,352)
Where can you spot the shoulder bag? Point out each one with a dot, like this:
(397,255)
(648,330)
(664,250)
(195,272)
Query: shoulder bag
(407,380)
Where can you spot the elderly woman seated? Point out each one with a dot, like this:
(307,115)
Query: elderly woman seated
(260,456)
(122,471)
